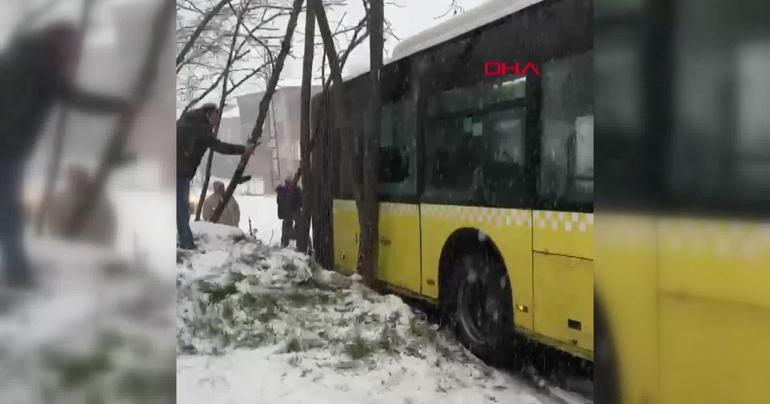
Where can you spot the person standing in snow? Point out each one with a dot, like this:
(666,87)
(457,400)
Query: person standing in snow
(231,216)
(37,72)
(289,198)
(195,135)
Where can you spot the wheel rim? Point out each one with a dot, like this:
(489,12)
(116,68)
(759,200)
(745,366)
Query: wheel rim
(478,309)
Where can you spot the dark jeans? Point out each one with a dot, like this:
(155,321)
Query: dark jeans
(289,229)
(183,213)
(12,255)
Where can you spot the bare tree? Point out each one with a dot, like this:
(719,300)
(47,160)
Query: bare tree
(454,9)
(340,114)
(201,71)
(180,57)
(256,132)
(368,206)
(141,90)
(304,135)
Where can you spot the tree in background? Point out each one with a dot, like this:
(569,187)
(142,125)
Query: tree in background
(256,132)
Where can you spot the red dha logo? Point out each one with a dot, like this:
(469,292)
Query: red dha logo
(502,69)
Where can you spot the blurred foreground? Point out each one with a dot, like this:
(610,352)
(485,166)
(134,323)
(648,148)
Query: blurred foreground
(96,322)
(683,201)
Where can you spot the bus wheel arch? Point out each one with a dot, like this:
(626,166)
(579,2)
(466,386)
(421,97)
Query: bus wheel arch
(470,269)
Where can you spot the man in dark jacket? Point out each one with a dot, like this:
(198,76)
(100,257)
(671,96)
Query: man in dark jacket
(289,199)
(36,73)
(195,135)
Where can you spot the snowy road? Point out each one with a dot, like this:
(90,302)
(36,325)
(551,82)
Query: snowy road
(262,325)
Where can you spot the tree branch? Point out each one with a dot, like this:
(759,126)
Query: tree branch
(198,30)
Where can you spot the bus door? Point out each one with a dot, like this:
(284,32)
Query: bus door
(563,222)
(399,254)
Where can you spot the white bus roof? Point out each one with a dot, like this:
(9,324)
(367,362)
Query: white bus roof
(458,25)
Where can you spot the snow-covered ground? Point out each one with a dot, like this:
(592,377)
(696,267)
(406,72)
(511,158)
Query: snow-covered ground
(263,213)
(258,324)
(146,226)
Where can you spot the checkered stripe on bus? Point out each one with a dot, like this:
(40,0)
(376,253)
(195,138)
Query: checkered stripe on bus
(563,221)
(397,209)
(478,215)
(716,238)
(472,215)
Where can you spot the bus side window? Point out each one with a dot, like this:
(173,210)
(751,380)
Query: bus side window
(566,168)
(475,145)
(398,149)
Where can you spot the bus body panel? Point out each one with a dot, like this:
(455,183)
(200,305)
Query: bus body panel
(399,254)
(564,308)
(715,260)
(626,286)
(345,216)
(563,276)
(687,303)
(703,342)
(510,231)
(563,233)
(714,285)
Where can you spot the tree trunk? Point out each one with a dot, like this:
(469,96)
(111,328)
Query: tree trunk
(368,206)
(256,132)
(304,131)
(141,90)
(323,172)
(368,229)
(222,99)
(338,92)
(60,135)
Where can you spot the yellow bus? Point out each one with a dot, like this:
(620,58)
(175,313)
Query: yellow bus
(486,174)
(683,230)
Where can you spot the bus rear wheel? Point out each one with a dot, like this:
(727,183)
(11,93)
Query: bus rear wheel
(481,309)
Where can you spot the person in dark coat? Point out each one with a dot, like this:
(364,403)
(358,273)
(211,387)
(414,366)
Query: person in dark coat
(289,199)
(195,135)
(37,72)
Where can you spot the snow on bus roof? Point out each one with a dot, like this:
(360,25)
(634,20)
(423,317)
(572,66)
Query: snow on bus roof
(458,25)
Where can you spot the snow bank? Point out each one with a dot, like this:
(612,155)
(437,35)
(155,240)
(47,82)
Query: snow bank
(259,324)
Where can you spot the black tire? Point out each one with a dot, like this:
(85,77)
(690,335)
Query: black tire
(481,309)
